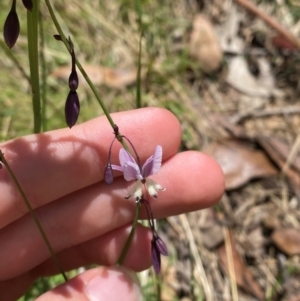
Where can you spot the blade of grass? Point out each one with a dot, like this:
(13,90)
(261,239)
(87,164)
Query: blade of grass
(32,37)
(10,54)
(34,216)
(138,10)
(44,73)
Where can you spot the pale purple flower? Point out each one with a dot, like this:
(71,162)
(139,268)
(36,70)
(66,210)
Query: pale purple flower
(133,171)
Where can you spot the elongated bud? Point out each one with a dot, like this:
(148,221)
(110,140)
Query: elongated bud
(72,108)
(11,28)
(57,37)
(155,255)
(28,4)
(73,81)
(160,245)
(108,174)
(116,130)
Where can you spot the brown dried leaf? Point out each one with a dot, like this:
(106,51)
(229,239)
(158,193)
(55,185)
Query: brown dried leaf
(204,44)
(279,151)
(240,162)
(287,240)
(113,78)
(244,278)
(241,78)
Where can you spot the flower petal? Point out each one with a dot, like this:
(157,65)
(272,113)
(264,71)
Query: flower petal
(132,172)
(117,167)
(136,191)
(153,163)
(125,157)
(152,187)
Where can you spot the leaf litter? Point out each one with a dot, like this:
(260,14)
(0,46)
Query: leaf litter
(250,122)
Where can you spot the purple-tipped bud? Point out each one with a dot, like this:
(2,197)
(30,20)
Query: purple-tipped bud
(57,37)
(160,245)
(28,4)
(116,130)
(72,108)
(73,81)
(108,174)
(11,28)
(155,254)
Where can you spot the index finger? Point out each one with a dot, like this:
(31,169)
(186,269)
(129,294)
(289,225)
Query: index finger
(56,163)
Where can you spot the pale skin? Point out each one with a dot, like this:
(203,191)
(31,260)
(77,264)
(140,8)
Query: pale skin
(86,220)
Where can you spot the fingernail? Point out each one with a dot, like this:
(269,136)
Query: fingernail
(114,284)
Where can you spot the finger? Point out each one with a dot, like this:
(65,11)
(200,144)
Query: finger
(54,164)
(193,181)
(104,250)
(114,284)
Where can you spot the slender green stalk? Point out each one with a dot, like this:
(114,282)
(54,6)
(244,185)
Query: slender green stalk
(138,11)
(130,237)
(44,74)
(32,37)
(34,215)
(84,74)
(138,80)
(106,112)
(13,58)
(93,88)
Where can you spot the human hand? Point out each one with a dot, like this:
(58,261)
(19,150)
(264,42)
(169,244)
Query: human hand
(86,220)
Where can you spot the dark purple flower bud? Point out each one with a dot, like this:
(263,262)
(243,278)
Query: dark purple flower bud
(108,174)
(155,254)
(73,80)
(160,245)
(11,28)
(72,108)
(116,130)
(28,4)
(57,37)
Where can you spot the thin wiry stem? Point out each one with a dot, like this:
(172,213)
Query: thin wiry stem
(44,74)
(34,216)
(84,74)
(130,237)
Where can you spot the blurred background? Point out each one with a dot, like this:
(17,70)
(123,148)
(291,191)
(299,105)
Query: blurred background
(229,70)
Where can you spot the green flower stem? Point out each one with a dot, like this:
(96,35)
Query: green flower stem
(34,216)
(93,88)
(44,74)
(86,77)
(130,237)
(106,112)
(138,11)
(32,36)
(138,81)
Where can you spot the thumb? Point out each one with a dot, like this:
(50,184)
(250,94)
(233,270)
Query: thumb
(99,284)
